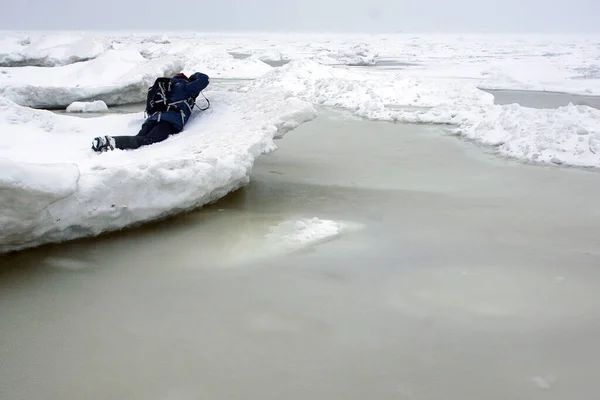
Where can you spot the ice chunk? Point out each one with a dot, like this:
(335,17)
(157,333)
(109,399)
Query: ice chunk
(97,106)
(26,192)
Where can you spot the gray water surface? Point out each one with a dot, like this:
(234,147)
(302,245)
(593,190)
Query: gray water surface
(466,277)
(537,99)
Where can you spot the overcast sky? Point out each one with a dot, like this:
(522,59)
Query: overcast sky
(305,15)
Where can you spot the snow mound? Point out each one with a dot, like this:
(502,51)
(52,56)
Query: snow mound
(272,56)
(115,77)
(569,135)
(49,51)
(289,236)
(368,95)
(54,188)
(357,55)
(97,106)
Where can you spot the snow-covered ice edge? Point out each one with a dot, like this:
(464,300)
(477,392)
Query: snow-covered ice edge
(568,135)
(51,196)
(47,50)
(115,77)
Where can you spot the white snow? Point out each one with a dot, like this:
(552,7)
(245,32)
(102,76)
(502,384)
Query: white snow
(54,188)
(115,77)
(85,107)
(293,235)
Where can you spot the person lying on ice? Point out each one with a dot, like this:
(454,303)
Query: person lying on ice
(168,106)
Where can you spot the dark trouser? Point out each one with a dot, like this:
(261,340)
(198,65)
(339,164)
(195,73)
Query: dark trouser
(151,132)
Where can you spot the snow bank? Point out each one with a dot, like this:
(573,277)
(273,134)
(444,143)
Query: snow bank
(568,135)
(115,77)
(366,94)
(289,236)
(85,107)
(91,193)
(48,50)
